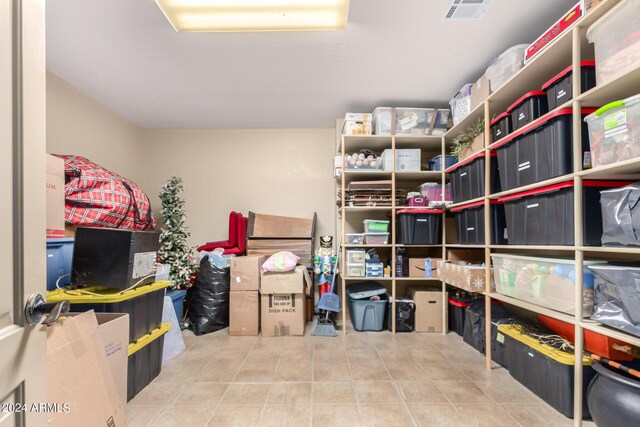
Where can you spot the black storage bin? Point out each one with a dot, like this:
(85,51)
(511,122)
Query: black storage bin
(544,216)
(145,360)
(528,108)
(500,126)
(470,223)
(419,227)
(621,216)
(541,151)
(114,258)
(560,88)
(467,177)
(143,304)
(405,315)
(474,332)
(546,371)
(457,309)
(616,300)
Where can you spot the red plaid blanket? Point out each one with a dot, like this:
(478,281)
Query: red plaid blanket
(97,197)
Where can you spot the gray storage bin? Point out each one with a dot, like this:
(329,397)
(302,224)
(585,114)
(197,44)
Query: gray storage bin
(621,216)
(368,315)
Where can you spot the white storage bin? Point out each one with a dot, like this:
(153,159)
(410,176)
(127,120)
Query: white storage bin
(407,159)
(506,65)
(355,238)
(355,256)
(548,282)
(410,121)
(376,238)
(355,270)
(616,39)
(461,104)
(614,132)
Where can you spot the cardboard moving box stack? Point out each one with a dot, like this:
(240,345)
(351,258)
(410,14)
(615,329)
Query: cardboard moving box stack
(244,302)
(282,302)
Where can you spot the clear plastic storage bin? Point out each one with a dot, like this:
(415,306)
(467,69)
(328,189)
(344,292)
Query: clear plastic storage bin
(616,39)
(355,238)
(548,282)
(433,192)
(375,226)
(506,65)
(614,131)
(376,238)
(355,256)
(461,104)
(410,121)
(355,270)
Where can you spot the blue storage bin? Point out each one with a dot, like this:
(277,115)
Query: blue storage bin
(59,258)
(177,297)
(435,164)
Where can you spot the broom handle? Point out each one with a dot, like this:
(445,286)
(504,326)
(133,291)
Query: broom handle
(335,272)
(616,365)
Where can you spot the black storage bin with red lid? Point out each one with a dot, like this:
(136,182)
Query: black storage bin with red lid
(470,223)
(544,216)
(528,108)
(541,150)
(467,177)
(500,126)
(560,88)
(419,227)
(457,308)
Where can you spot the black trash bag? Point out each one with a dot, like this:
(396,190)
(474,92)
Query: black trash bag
(209,298)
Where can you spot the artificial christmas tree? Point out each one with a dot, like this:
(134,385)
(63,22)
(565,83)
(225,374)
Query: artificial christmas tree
(174,249)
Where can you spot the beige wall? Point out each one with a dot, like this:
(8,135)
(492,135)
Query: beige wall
(275,171)
(77,124)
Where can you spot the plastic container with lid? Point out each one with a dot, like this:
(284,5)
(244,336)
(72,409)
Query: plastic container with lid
(467,177)
(375,226)
(145,360)
(433,191)
(355,238)
(356,256)
(500,126)
(410,121)
(528,108)
(544,216)
(616,39)
(560,88)
(435,164)
(548,282)
(355,270)
(419,226)
(506,65)
(376,238)
(614,132)
(470,223)
(461,104)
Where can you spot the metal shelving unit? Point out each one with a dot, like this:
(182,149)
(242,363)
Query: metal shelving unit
(572,46)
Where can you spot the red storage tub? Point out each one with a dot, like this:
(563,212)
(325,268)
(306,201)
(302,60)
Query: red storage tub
(593,341)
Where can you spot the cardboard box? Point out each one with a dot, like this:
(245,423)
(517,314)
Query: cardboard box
(407,159)
(480,91)
(244,313)
(417,267)
(476,145)
(428,314)
(55,196)
(282,302)
(78,373)
(245,272)
(468,278)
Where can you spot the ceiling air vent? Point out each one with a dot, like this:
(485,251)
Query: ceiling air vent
(466,10)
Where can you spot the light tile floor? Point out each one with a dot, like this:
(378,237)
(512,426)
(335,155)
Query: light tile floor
(367,379)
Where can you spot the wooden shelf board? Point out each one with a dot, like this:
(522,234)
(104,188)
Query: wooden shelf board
(424,142)
(610,249)
(610,332)
(366,246)
(361,278)
(417,246)
(460,246)
(533,307)
(534,247)
(626,169)
(466,202)
(620,88)
(367,208)
(418,175)
(372,142)
(416,279)
(551,181)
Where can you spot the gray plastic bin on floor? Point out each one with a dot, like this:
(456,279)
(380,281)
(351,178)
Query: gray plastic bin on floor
(366,314)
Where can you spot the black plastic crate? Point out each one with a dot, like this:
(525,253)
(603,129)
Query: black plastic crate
(419,227)
(114,258)
(143,304)
(544,216)
(405,316)
(467,177)
(560,88)
(474,332)
(540,151)
(145,360)
(546,371)
(470,223)
(528,108)
(457,309)
(500,126)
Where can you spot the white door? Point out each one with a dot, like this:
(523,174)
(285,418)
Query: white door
(22,209)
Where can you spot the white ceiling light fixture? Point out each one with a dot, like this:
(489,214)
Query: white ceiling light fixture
(255,15)
(466,10)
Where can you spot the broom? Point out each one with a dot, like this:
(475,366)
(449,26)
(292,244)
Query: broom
(329,302)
